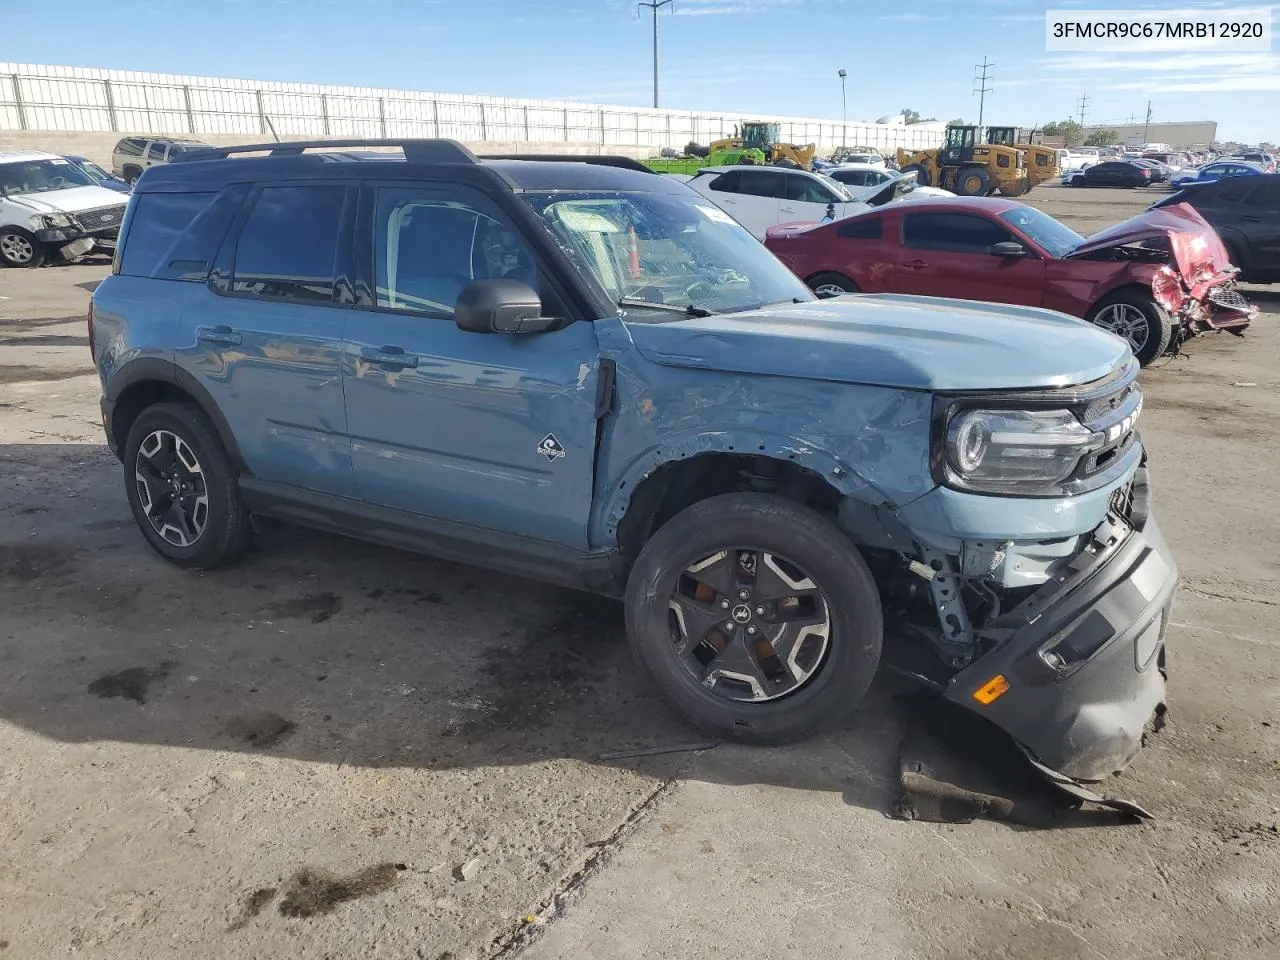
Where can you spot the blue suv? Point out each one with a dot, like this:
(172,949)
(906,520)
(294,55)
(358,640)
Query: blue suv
(584,372)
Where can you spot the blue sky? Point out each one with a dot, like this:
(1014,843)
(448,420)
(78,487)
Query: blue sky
(765,56)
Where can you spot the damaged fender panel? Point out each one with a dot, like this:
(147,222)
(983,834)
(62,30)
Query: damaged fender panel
(869,442)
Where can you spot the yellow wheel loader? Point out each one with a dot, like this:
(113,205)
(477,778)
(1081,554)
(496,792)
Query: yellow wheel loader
(969,168)
(1041,162)
(764,137)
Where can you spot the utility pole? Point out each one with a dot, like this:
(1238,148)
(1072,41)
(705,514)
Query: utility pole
(655,6)
(1146,126)
(982,74)
(1084,105)
(844,111)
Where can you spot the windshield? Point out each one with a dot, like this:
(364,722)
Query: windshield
(672,249)
(94,171)
(41,176)
(1054,238)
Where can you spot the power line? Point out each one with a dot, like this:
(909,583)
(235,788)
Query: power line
(1083,106)
(655,6)
(981,76)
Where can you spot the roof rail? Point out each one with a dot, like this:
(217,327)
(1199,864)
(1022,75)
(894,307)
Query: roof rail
(416,151)
(603,160)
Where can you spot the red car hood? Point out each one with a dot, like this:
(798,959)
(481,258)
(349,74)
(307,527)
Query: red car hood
(1197,248)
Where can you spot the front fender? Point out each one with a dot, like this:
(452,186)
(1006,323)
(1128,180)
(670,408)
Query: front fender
(837,471)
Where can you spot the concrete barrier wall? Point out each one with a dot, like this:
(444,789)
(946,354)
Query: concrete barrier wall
(98,146)
(86,100)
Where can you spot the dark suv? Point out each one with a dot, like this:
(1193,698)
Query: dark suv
(1245,211)
(590,374)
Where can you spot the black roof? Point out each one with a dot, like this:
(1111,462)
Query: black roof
(436,159)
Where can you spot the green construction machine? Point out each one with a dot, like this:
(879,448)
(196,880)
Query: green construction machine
(695,158)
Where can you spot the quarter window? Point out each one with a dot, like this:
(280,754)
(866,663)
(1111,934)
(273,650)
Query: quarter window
(727,182)
(289,244)
(951,232)
(429,244)
(861,228)
(175,236)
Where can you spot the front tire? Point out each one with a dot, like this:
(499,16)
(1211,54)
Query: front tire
(831,284)
(973,182)
(1137,318)
(182,488)
(755,617)
(20,248)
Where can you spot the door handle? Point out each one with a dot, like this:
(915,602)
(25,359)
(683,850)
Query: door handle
(788,209)
(393,358)
(915,264)
(221,335)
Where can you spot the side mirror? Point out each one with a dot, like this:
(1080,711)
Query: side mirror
(500,306)
(1008,248)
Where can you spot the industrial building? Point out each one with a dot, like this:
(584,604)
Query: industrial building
(1181,135)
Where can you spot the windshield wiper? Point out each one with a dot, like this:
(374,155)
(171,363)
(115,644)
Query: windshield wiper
(689,311)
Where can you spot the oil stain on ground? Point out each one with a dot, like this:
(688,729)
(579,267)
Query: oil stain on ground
(316,607)
(260,729)
(27,562)
(131,684)
(311,892)
(254,905)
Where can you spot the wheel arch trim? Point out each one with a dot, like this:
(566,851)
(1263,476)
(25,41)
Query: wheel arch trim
(157,370)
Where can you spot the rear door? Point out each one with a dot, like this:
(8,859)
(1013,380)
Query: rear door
(265,336)
(487,429)
(950,255)
(750,196)
(1261,226)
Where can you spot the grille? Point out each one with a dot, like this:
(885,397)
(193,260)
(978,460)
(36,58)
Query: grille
(1229,297)
(104,218)
(1099,409)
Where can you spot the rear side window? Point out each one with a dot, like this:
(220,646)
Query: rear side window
(952,232)
(761,183)
(1232,189)
(726,182)
(289,243)
(130,147)
(862,228)
(175,236)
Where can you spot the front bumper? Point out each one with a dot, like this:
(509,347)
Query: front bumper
(1084,655)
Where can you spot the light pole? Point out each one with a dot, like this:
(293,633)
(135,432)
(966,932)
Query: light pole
(655,6)
(844,111)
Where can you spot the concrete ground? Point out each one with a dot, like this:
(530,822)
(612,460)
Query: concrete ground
(339,751)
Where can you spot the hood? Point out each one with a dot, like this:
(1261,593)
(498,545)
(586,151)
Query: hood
(68,201)
(915,343)
(1196,246)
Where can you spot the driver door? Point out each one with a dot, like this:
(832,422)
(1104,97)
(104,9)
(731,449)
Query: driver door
(488,429)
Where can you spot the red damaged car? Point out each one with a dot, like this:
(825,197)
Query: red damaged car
(1156,279)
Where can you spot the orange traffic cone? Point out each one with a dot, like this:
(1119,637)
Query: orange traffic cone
(635,253)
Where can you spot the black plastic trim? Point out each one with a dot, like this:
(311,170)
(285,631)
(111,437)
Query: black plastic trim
(595,572)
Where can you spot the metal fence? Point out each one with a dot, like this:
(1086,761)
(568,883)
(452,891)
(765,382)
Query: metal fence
(63,99)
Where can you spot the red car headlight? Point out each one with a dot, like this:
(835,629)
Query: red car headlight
(1167,290)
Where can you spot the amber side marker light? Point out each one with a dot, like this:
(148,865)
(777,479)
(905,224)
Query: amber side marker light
(992,690)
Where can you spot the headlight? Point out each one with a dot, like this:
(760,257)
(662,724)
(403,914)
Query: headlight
(55,220)
(1016,451)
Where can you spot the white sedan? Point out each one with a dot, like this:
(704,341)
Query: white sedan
(763,197)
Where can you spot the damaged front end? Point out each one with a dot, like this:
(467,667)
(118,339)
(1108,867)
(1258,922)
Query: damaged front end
(1004,608)
(1195,282)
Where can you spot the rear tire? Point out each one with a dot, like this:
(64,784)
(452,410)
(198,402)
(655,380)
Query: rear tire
(20,248)
(973,182)
(1137,318)
(831,284)
(823,565)
(182,488)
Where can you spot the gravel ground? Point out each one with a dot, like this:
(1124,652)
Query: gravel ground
(339,751)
